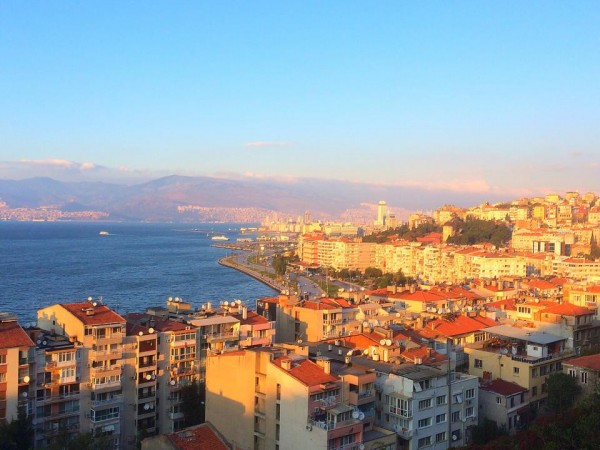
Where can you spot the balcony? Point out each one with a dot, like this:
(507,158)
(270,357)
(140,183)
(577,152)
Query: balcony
(332,321)
(107,385)
(404,433)
(361,398)
(222,336)
(106,354)
(108,370)
(536,360)
(147,395)
(114,338)
(109,400)
(184,343)
(250,341)
(100,418)
(326,425)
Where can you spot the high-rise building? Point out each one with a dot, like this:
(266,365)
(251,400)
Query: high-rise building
(381,213)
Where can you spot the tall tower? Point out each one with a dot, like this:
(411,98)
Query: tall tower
(381,213)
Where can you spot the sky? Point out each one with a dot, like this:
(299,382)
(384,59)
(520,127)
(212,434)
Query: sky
(485,97)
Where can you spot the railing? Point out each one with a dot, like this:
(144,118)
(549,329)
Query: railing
(147,395)
(102,369)
(399,412)
(534,360)
(112,399)
(366,394)
(183,343)
(223,335)
(109,384)
(104,353)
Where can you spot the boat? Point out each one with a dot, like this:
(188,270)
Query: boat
(104,233)
(220,237)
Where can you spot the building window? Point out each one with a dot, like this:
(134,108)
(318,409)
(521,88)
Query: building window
(470,412)
(424,442)
(534,391)
(456,416)
(499,400)
(478,363)
(512,402)
(423,423)
(440,418)
(2,359)
(470,393)
(515,371)
(441,400)
(2,377)
(584,377)
(278,391)
(440,437)
(534,372)
(424,404)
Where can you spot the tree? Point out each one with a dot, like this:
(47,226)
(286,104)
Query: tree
(280,263)
(17,434)
(372,272)
(192,399)
(562,391)
(594,248)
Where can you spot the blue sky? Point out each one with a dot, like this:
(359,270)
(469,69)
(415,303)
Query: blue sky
(499,97)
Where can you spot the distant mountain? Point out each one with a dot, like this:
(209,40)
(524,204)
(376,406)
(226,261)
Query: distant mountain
(159,199)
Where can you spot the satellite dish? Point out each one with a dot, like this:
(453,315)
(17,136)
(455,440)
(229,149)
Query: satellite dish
(172,382)
(89,298)
(148,377)
(454,437)
(226,303)
(361,447)
(44,342)
(170,299)
(366,351)
(361,415)
(141,333)
(26,379)
(388,342)
(146,406)
(24,394)
(151,330)
(355,414)
(38,342)
(382,342)
(94,304)
(365,324)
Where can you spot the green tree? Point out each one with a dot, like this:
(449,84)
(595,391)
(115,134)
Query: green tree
(17,434)
(372,272)
(562,391)
(192,400)
(279,264)
(594,248)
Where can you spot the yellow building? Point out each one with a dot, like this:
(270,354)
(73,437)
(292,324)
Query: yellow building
(101,332)
(15,376)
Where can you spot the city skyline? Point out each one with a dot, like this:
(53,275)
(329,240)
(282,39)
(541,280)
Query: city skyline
(493,99)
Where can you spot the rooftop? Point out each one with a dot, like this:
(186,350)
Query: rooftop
(12,335)
(200,437)
(536,337)
(588,362)
(503,387)
(89,314)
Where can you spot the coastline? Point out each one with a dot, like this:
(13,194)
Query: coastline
(228,261)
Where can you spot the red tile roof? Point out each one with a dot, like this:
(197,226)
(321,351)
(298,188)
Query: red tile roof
(502,387)
(102,314)
(159,323)
(13,336)
(460,325)
(252,319)
(540,284)
(567,309)
(588,362)
(426,354)
(307,372)
(359,341)
(201,437)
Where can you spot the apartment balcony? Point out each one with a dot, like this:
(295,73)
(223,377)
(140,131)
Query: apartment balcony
(536,360)
(59,414)
(175,415)
(254,341)
(148,365)
(222,336)
(361,398)
(352,446)
(326,425)
(115,338)
(54,429)
(183,343)
(105,371)
(147,396)
(404,433)
(118,398)
(99,355)
(105,386)
(333,321)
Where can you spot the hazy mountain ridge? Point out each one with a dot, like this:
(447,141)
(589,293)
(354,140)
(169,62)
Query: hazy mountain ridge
(158,199)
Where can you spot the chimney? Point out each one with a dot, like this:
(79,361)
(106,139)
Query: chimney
(244,312)
(325,364)
(286,364)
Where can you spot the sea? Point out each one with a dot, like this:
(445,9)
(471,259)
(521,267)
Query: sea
(133,267)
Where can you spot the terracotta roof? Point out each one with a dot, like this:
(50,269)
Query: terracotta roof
(359,341)
(426,354)
(460,325)
(502,387)
(201,437)
(567,309)
(539,284)
(12,335)
(588,362)
(502,304)
(102,314)
(307,372)
(252,319)
(421,296)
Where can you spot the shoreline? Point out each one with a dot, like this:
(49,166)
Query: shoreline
(226,261)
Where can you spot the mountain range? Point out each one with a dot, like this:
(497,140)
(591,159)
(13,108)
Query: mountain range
(159,199)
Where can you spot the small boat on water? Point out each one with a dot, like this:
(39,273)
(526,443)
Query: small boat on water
(220,237)
(104,233)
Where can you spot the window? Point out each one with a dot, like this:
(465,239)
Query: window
(584,377)
(440,437)
(512,402)
(499,400)
(440,418)
(399,406)
(470,412)
(2,377)
(534,372)
(2,359)
(456,416)
(534,391)
(470,393)
(348,439)
(441,400)
(515,371)
(424,404)
(424,422)
(543,370)
(478,363)
(424,442)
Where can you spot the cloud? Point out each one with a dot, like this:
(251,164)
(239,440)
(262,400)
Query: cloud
(58,164)
(266,144)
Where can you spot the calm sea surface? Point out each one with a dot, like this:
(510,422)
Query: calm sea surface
(135,266)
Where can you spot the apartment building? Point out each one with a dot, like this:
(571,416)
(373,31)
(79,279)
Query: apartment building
(271,398)
(58,364)
(586,370)
(518,355)
(101,332)
(505,403)
(176,365)
(16,350)
(140,383)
